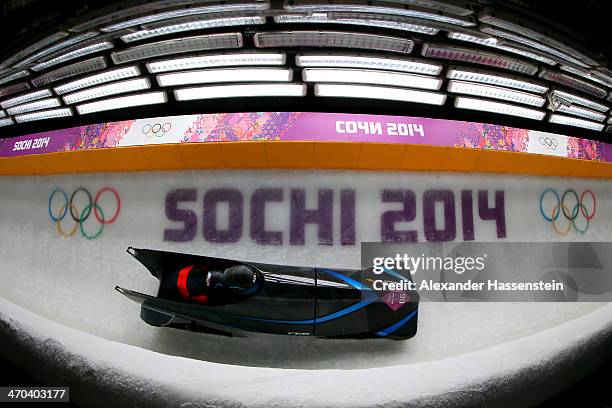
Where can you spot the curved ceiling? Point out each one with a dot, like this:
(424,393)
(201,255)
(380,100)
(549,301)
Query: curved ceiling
(500,62)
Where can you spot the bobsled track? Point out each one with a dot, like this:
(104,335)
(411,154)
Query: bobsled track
(63,322)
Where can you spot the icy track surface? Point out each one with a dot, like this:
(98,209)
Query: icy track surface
(70,280)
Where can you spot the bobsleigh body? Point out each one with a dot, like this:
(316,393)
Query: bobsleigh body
(290,300)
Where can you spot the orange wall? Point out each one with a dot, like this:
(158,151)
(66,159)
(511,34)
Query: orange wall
(301,155)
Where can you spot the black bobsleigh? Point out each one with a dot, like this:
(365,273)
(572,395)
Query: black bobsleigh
(277,299)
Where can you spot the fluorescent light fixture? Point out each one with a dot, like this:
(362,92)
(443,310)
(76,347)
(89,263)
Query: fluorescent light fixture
(492,78)
(514,23)
(240,91)
(463,102)
(363,76)
(572,83)
(42,115)
(123,13)
(101,78)
(604,74)
(2,114)
(492,42)
(377,8)
(578,111)
(534,44)
(218,60)
(609,129)
(45,42)
(446,7)
(78,53)
(358,61)
(594,76)
(13,76)
(218,7)
(11,89)
(177,46)
(579,100)
(360,19)
(609,120)
(495,92)
(332,39)
(379,92)
(32,96)
(193,25)
(122,102)
(56,47)
(208,76)
(477,57)
(6,122)
(569,121)
(79,68)
(114,88)
(34,106)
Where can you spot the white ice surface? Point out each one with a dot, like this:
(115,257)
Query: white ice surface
(106,373)
(70,281)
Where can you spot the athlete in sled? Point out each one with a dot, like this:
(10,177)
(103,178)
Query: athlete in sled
(228,297)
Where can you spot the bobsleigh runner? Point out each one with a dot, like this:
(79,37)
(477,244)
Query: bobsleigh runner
(229,297)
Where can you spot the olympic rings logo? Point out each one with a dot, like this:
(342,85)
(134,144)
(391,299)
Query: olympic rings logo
(79,217)
(549,142)
(570,212)
(156,129)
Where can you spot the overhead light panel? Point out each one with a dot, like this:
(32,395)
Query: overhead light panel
(191,25)
(368,62)
(578,111)
(216,7)
(42,115)
(495,92)
(333,39)
(492,42)
(78,53)
(458,8)
(572,83)
(570,121)
(13,76)
(379,92)
(218,60)
(594,76)
(492,78)
(579,100)
(56,47)
(97,79)
(360,19)
(509,22)
(6,122)
(149,98)
(363,76)
(240,91)
(478,57)
(45,42)
(130,85)
(534,44)
(34,106)
(14,88)
(32,96)
(2,114)
(464,102)
(377,8)
(69,71)
(225,75)
(178,46)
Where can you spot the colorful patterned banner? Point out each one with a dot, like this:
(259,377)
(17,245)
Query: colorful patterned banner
(220,127)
